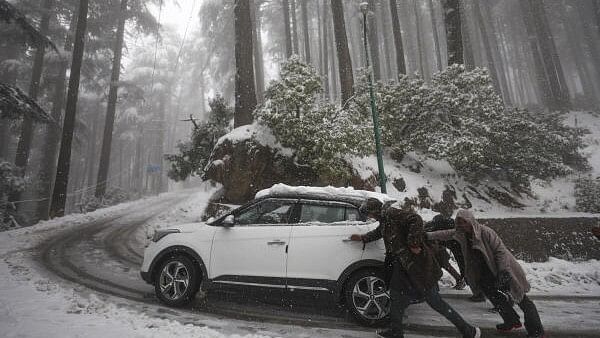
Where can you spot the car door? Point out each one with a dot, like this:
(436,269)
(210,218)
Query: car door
(320,248)
(253,251)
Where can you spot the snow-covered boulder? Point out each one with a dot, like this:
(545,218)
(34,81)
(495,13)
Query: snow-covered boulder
(249,159)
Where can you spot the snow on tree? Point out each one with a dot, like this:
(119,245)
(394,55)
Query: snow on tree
(14,104)
(460,117)
(194,155)
(320,133)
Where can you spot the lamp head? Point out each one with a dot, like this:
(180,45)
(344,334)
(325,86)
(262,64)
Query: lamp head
(364,8)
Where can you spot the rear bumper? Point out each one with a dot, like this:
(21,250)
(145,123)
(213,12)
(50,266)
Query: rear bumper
(146,277)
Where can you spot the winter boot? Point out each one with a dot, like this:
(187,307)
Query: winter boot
(507,327)
(389,333)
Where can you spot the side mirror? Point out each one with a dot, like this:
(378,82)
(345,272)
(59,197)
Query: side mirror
(229,221)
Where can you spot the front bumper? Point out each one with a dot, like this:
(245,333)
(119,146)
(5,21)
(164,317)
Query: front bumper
(146,276)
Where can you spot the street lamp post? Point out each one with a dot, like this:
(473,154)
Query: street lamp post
(364,8)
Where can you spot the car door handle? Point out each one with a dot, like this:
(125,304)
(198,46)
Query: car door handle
(276,242)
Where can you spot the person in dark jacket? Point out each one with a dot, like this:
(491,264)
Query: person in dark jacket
(440,222)
(492,268)
(415,271)
(596,232)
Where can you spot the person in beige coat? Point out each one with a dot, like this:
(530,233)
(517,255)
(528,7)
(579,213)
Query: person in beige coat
(490,267)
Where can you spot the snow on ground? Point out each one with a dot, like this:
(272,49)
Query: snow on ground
(34,305)
(556,277)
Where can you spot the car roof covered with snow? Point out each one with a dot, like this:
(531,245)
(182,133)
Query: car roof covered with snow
(328,193)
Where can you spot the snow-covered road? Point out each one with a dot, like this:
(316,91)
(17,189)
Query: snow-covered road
(79,276)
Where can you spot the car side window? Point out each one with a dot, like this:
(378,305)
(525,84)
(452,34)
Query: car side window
(322,213)
(266,212)
(352,215)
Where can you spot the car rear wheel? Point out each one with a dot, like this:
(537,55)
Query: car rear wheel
(177,281)
(367,297)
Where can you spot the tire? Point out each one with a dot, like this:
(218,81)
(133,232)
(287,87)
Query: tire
(367,297)
(177,281)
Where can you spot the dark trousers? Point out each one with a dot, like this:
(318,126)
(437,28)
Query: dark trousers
(454,247)
(401,300)
(533,323)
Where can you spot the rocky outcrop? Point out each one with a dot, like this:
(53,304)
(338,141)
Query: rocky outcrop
(245,167)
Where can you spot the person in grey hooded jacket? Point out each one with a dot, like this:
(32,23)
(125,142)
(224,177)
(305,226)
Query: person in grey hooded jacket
(491,268)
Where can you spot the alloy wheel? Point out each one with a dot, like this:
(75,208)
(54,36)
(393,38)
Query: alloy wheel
(174,280)
(370,298)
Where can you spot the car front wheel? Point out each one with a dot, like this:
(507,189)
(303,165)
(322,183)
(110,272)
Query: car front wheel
(177,281)
(367,297)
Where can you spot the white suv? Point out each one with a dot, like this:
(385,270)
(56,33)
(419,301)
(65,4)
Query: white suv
(294,238)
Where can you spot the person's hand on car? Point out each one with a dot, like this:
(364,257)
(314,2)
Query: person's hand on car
(415,249)
(356,237)
(596,232)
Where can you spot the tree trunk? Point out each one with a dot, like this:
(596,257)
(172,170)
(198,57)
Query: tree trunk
(454,42)
(467,44)
(487,46)
(304,9)
(91,150)
(491,48)
(245,95)
(59,195)
(383,13)
(259,74)
(436,38)
(374,40)
(26,137)
(294,27)
(111,106)
(52,138)
(590,42)
(343,53)
(422,58)
(400,63)
(285,4)
(558,84)
(325,48)
(547,63)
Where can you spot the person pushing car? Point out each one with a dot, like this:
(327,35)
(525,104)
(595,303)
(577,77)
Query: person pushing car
(491,267)
(414,270)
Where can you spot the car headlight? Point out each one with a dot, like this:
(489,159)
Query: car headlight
(158,234)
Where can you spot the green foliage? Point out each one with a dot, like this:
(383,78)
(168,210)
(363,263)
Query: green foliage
(321,134)
(193,156)
(10,182)
(587,194)
(459,117)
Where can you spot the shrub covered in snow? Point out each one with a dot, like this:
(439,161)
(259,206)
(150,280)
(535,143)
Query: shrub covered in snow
(320,133)
(460,117)
(10,182)
(587,194)
(193,155)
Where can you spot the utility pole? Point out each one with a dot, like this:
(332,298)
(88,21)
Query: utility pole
(364,8)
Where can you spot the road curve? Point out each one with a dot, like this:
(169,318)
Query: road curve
(105,255)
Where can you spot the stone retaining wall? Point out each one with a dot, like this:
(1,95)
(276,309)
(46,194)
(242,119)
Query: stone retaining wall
(535,239)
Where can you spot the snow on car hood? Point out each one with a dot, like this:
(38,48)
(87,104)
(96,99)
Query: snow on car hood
(189,227)
(328,192)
